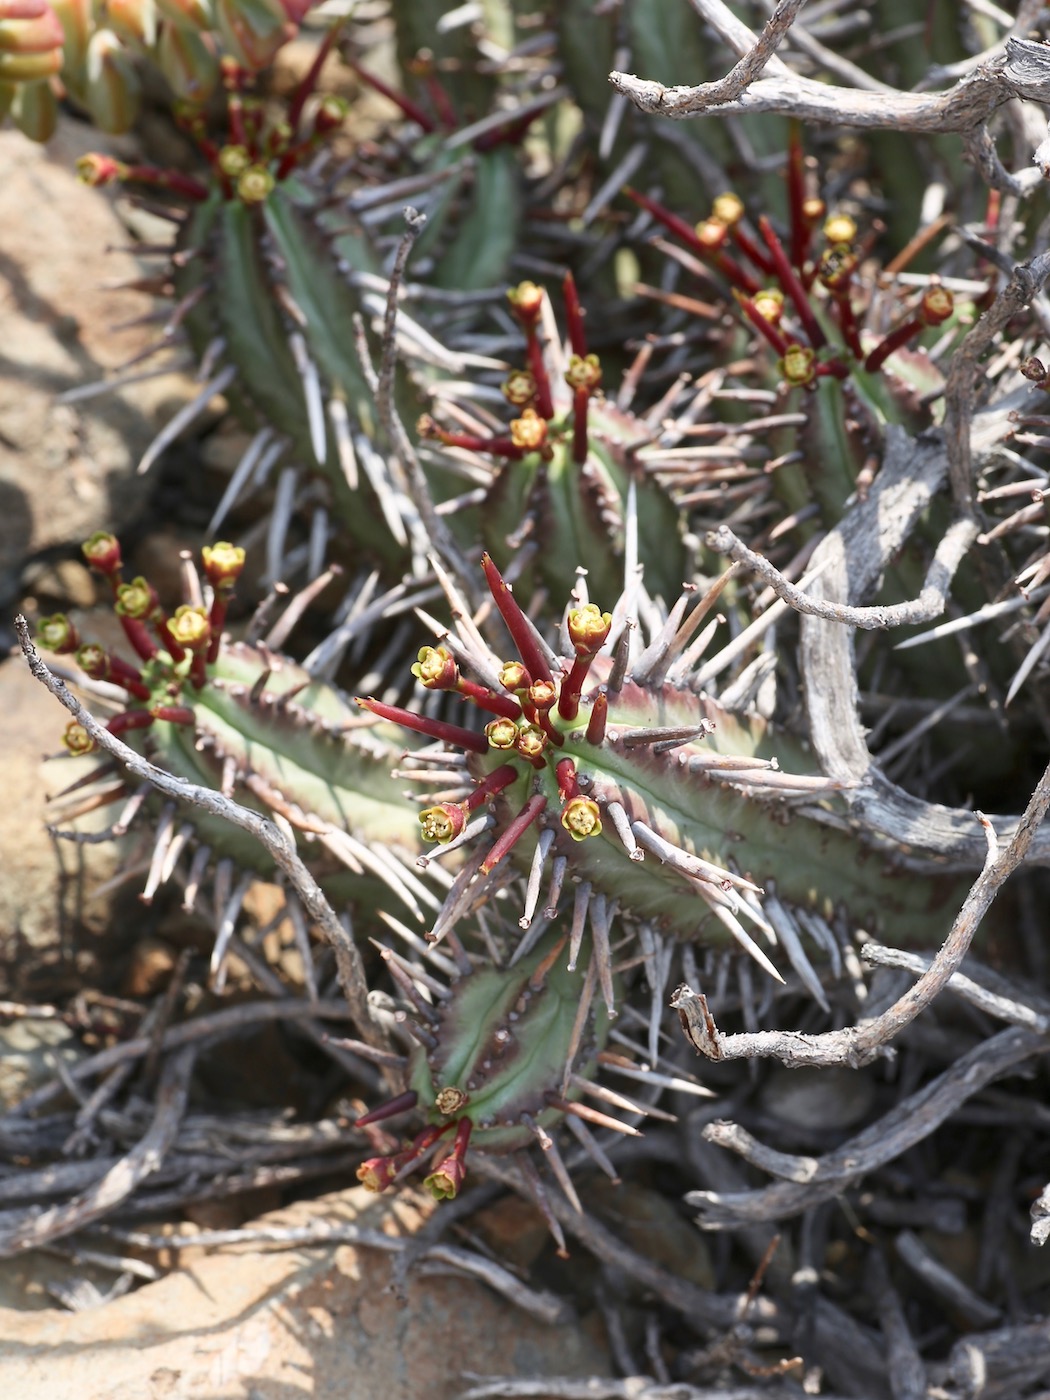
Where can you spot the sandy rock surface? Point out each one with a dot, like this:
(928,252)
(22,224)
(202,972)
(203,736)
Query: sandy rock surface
(67,469)
(321,1322)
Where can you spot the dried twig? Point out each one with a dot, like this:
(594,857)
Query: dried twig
(929,604)
(960,392)
(122,1179)
(909,1122)
(995,1003)
(438,532)
(630,1388)
(281,849)
(850,560)
(214,1026)
(548,1307)
(907,1373)
(940,1280)
(856,1045)
(963,108)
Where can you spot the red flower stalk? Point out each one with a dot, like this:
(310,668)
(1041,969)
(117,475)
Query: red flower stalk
(377,1173)
(729,268)
(936,306)
(574,316)
(440,100)
(445,1182)
(556,737)
(793,288)
(139,637)
(565,772)
(130,677)
(97,663)
(801,228)
(98,170)
(486,699)
(492,786)
(309,80)
(423,724)
(173,714)
(442,823)
(129,719)
(223,564)
(583,376)
(137,602)
(436,669)
(189,631)
(102,552)
(404,104)
(526,304)
(517,623)
(598,719)
(401,1104)
(514,831)
(235,110)
(588,628)
(848,324)
(763,325)
(471,442)
(572,687)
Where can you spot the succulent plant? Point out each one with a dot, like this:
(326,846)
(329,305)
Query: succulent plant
(240,717)
(567,462)
(626,779)
(500,1058)
(815,300)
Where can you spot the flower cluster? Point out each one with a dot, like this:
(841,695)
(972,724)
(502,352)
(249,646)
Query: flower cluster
(774,284)
(173,651)
(534,713)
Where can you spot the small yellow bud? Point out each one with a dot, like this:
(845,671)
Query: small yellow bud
(581,818)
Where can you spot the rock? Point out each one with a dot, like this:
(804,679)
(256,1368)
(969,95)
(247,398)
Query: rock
(319,1321)
(28,1050)
(37,900)
(67,469)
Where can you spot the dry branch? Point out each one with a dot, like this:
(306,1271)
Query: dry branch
(759,82)
(121,1180)
(281,849)
(909,1122)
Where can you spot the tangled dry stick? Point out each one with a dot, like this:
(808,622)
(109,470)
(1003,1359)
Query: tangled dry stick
(281,848)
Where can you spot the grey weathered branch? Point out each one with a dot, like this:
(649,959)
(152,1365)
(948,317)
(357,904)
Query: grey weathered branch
(546,1306)
(960,392)
(124,1177)
(281,849)
(966,105)
(908,1123)
(851,560)
(928,605)
(856,1045)
(762,82)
